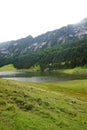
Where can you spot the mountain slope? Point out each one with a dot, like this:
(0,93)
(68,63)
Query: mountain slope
(63,34)
(56,47)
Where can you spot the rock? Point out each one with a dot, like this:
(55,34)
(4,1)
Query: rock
(73,101)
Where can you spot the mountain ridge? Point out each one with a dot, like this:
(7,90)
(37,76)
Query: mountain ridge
(60,35)
(72,36)
(75,24)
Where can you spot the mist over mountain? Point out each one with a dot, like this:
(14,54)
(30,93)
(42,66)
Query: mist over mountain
(53,49)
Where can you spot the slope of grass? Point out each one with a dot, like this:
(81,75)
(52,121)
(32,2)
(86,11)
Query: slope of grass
(74,88)
(7,68)
(43,106)
(77,70)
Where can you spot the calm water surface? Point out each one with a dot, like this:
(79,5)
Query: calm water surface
(28,76)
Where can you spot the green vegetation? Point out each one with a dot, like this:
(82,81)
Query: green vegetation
(7,67)
(69,54)
(75,88)
(76,70)
(34,68)
(46,106)
(43,106)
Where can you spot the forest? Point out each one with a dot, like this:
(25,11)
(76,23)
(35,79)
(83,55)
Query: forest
(69,54)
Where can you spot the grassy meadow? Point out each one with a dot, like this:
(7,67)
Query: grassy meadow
(58,105)
(43,106)
(9,67)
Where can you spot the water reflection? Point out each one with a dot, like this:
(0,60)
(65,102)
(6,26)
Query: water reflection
(35,79)
(27,76)
(33,76)
(10,73)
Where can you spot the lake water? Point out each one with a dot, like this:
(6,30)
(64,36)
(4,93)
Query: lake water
(28,76)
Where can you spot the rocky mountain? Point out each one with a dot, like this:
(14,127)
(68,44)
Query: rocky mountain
(16,47)
(70,36)
(59,36)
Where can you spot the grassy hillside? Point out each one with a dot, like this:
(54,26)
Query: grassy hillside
(43,106)
(77,70)
(7,67)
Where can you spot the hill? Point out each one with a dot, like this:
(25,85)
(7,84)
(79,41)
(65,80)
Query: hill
(62,48)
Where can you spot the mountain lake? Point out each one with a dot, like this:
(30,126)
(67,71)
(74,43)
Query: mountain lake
(29,76)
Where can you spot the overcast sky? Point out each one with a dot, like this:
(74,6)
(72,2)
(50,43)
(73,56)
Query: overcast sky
(20,18)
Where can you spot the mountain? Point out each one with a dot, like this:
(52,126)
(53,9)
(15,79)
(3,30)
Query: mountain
(17,46)
(69,37)
(70,32)
(48,39)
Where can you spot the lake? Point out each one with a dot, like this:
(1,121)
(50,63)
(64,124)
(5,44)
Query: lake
(40,77)
(29,76)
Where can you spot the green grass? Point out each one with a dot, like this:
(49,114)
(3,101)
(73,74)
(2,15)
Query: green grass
(7,68)
(77,70)
(74,88)
(43,106)
(35,68)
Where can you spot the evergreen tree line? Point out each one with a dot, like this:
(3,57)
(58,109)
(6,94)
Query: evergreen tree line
(67,55)
(53,58)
